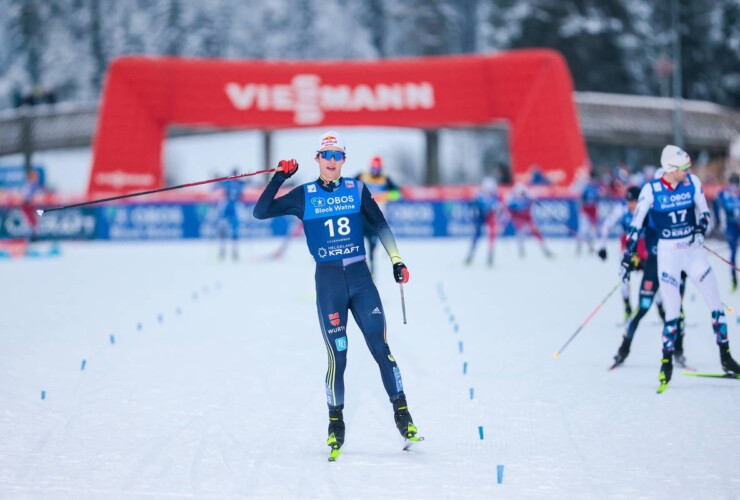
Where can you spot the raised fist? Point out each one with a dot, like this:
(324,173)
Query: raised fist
(286,168)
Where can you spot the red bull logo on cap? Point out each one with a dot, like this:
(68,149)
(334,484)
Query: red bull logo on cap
(331,139)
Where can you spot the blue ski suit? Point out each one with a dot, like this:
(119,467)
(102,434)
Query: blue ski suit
(332,215)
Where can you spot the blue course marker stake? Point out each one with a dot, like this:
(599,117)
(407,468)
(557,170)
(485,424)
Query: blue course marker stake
(195,295)
(452,318)
(112,339)
(465,367)
(160,317)
(43,394)
(480,431)
(84,362)
(471,393)
(456,327)
(737,320)
(178,311)
(500,474)
(139,326)
(460,346)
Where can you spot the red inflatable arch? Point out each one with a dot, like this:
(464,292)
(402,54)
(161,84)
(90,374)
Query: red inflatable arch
(531,89)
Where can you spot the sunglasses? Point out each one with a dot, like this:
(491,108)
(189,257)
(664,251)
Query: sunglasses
(332,155)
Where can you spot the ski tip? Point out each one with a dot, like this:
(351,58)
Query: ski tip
(40,212)
(557,355)
(711,375)
(409,442)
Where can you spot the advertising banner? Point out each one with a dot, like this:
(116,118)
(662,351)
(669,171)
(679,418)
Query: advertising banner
(531,90)
(555,217)
(72,224)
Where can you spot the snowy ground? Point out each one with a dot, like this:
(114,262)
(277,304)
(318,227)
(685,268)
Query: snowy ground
(214,385)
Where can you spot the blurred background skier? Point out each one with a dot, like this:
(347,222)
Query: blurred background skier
(621,216)
(727,210)
(519,208)
(228,211)
(486,205)
(588,213)
(383,190)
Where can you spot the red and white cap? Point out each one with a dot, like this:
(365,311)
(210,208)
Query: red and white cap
(331,141)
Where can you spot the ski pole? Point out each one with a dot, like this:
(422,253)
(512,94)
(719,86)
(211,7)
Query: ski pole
(729,308)
(403,303)
(141,193)
(721,258)
(560,351)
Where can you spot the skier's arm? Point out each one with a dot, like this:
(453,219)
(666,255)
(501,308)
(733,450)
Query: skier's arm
(611,220)
(394,192)
(703,216)
(644,204)
(268,206)
(372,214)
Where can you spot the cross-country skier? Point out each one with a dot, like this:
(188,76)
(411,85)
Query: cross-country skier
(383,190)
(677,209)
(588,220)
(332,209)
(228,224)
(727,208)
(30,189)
(647,251)
(519,207)
(486,205)
(621,215)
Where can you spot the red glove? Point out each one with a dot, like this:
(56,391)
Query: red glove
(286,168)
(400,273)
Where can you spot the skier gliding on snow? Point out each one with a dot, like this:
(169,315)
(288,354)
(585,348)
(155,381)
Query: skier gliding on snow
(332,209)
(677,209)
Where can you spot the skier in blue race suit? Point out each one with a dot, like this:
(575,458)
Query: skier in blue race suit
(727,208)
(332,209)
(228,215)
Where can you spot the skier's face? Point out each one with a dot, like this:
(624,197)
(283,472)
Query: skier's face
(681,175)
(676,176)
(330,168)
